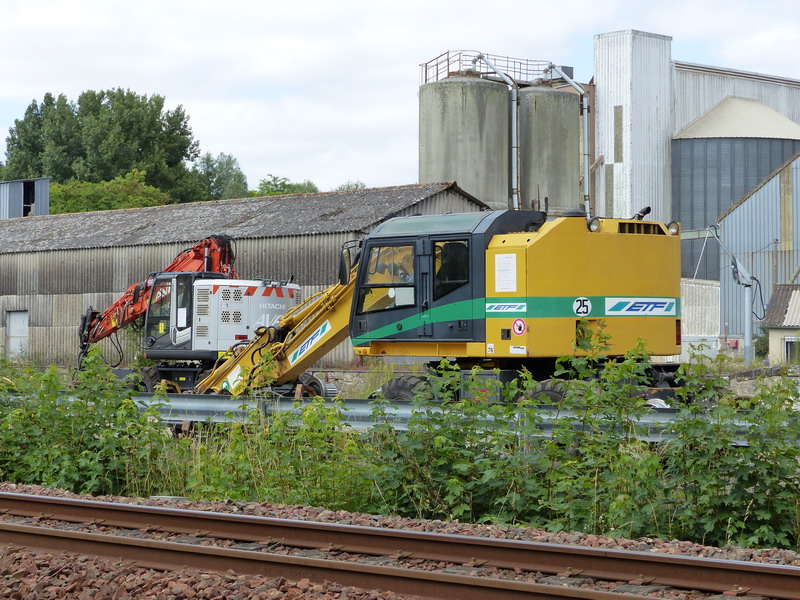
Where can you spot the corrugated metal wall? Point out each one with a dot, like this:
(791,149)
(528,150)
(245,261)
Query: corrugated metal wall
(708,177)
(700,329)
(57,287)
(42,195)
(633,123)
(763,233)
(12,194)
(698,89)
(10,199)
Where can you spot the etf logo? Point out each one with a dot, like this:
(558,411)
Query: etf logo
(631,307)
(310,342)
(503,308)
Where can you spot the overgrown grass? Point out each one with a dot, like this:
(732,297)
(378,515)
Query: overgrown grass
(589,469)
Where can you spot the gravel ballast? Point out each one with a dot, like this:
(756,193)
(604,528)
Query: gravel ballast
(38,576)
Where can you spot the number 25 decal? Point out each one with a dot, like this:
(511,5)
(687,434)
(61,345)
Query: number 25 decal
(582,307)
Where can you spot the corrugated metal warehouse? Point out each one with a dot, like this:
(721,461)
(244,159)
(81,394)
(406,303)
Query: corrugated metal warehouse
(691,141)
(687,140)
(52,268)
(762,231)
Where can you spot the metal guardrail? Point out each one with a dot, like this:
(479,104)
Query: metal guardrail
(650,426)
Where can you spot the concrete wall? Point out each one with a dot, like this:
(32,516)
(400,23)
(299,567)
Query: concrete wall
(549,149)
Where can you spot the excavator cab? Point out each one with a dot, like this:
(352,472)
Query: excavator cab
(168,322)
(194,318)
(422,282)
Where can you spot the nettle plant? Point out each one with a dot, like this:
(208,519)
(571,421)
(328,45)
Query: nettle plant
(86,439)
(565,454)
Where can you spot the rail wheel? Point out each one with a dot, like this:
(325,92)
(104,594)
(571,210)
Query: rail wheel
(310,387)
(405,388)
(150,378)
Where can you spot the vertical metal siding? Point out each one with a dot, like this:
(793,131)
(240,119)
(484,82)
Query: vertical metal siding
(57,286)
(42,194)
(5,191)
(634,83)
(10,199)
(695,93)
(708,177)
(749,231)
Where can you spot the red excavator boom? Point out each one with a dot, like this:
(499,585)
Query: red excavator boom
(214,254)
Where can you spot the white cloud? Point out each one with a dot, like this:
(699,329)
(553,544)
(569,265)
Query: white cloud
(327,91)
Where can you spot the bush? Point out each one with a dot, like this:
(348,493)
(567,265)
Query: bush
(726,474)
(87,440)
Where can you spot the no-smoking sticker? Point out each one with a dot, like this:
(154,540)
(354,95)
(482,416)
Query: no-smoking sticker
(518,327)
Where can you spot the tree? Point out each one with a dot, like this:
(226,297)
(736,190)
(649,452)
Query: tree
(105,135)
(350,185)
(278,186)
(221,176)
(129,191)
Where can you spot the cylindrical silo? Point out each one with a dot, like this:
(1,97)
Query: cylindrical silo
(464,136)
(549,139)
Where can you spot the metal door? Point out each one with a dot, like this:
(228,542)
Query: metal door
(16,333)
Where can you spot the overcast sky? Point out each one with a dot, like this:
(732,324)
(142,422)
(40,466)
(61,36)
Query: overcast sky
(326,90)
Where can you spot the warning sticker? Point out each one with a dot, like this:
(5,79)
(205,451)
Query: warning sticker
(518,327)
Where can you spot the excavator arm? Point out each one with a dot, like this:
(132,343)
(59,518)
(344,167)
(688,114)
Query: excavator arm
(279,356)
(214,254)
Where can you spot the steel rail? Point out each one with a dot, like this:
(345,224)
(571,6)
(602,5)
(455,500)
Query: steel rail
(174,556)
(715,575)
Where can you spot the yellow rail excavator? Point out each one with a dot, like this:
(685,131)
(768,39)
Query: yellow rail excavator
(499,290)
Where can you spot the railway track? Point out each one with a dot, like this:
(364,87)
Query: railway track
(429,565)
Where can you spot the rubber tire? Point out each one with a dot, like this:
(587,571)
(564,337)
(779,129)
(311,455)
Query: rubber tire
(150,379)
(405,388)
(552,390)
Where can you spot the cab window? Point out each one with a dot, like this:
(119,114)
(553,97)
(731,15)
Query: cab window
(451,268)
(389,282)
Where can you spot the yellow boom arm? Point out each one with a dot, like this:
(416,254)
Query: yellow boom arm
(313,328)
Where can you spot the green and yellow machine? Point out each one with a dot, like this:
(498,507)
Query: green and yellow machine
(498,290)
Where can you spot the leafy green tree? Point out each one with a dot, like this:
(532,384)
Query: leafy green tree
(221,176)
(278,186)
(350,185)
(129,191)
(105,135)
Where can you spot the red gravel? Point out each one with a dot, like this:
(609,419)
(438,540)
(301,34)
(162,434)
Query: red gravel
(39,576)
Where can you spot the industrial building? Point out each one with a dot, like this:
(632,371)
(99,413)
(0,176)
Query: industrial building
(52,268)
(703,145)
(690,141)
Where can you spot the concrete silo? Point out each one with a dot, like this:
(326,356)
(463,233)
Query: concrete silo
(496,127)
(549,140)
(463,136)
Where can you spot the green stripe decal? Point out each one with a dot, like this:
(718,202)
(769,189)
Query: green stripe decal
(593,307)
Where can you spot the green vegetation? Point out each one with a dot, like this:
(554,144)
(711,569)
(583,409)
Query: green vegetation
(129,191)
(278,186)
(105,135)
(115,142)
(473,459)
(222,177)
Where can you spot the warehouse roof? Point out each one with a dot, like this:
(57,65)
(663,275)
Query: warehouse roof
(271,216)
(741,118)
(784,307)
